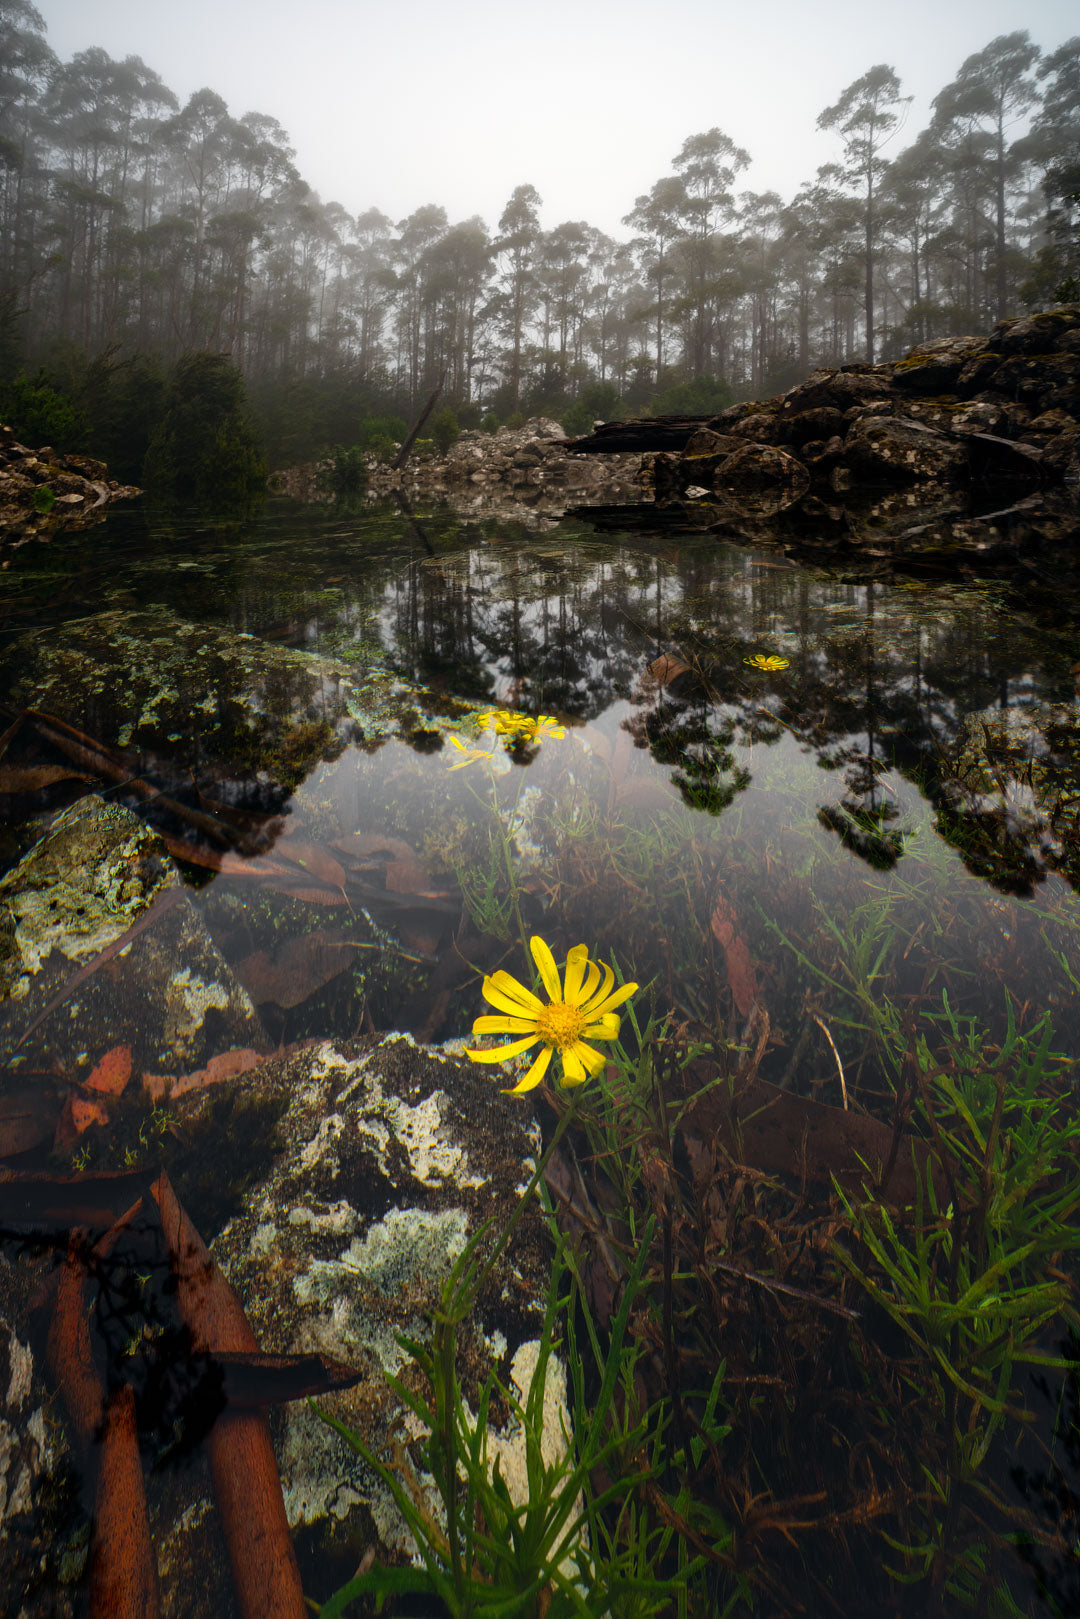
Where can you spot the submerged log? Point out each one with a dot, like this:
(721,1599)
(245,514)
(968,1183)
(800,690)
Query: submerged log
(247,1487)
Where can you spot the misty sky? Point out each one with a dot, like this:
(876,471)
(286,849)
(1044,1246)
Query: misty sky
(393,105)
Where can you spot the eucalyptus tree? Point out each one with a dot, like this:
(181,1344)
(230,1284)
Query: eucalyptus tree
(912,204)
(658,218)
(760,233)
(993,89)
(708,164)
(1054,146)
(516,245)
(458,269)
(866,117)
(417,293)
(371,283)
(562,279)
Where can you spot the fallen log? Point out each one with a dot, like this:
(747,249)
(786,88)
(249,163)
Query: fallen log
(642,434)
(123,1577)
(247,1487)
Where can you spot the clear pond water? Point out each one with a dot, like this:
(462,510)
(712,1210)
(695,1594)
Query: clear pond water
(886,816)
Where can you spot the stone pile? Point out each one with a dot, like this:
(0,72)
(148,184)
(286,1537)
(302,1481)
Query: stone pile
(523,467)
(973,412)
(41,490)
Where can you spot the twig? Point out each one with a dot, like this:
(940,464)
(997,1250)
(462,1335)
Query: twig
(836,1054)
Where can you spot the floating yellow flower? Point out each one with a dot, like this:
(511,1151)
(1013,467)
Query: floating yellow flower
(760,661)
(469,756)
(523,729)
(503,721)
(582,1009)
(544,728)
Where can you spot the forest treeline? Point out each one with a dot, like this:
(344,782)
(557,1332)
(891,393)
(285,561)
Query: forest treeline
(136,231)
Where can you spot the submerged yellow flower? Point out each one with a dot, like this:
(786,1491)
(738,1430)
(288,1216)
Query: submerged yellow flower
(469,756)
(503,721)
(543,728)
(582,1009)
(760,661)
(523,728)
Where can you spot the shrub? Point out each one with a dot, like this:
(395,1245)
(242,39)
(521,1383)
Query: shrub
(444,429)
(702,396)
(373,429)
(204,448)
(348,474)
(40,414)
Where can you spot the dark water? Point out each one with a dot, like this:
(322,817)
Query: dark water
(823,801)
(885,826)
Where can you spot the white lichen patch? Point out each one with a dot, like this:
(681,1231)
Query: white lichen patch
(421,1131)
(78,889)
(339,1220)
(408,1246)
(21,1362)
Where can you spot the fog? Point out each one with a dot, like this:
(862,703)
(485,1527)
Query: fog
(587,100)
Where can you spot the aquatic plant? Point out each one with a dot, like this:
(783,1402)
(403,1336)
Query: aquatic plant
(581,1009)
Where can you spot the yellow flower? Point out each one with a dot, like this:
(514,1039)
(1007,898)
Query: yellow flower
(502,720)
(582,1009)
(760,661)
(545,727)
(469,756)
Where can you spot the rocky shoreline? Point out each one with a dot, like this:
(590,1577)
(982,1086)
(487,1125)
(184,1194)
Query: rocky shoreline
(525,467)
(42,491)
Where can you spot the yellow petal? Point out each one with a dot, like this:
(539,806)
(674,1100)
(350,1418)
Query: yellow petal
(612,1002)
(589,1059)
(574,1071)
(577,963)
(508,995)
(598,995)
(546,967)
(504,1025)
(592,978)
(535,1074)
(503,1053)
(606,1029)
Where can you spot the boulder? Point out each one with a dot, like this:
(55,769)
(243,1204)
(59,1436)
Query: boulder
(168,1002)
(890,450)
(203,692)
(337,1223)
(762,476)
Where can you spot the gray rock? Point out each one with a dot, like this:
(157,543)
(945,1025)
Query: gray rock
(95,873)
(889,450)
(390,1156)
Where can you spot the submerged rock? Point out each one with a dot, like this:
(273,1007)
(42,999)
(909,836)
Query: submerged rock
(151,680)
(168,997)
(338,1227)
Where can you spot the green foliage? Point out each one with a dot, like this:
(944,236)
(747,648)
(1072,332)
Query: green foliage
(579,1543)
(124,403)
(490,422)
(375,432)
(44,498)
(601,402)
(444,429)
(40,414)
(703,396)
(974,1274)
(204,449)
(348,474)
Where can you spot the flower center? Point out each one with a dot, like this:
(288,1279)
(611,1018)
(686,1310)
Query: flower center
(560,1024)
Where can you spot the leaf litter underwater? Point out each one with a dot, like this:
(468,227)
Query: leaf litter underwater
(827,822)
